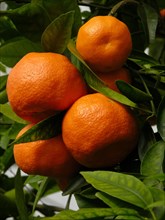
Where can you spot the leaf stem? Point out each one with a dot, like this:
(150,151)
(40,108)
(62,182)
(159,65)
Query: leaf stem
(121,4)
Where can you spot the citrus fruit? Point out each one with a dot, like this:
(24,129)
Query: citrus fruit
(162,12)
(104,42)
(41,84)
(46,157)
(111,77)
(98,131)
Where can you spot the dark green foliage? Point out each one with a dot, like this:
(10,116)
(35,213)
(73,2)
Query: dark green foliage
(133,189)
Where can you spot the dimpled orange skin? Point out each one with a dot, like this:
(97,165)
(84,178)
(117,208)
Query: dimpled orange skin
(41,84)
(46,157)
(104,42)
(99,132)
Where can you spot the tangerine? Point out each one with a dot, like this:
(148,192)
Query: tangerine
(41,84)
(98,131)
(46,157)
(104,42)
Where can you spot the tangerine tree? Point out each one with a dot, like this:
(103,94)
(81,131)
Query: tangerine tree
(82,109)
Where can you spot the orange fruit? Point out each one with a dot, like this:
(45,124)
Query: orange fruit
(162,12)
(111,77)
(98,131)
(46,157)
(104,42)
(41,84)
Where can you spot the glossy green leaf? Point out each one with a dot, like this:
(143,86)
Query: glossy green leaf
(95,83)
(161,118)
(96,214)
(152,162)
(13,50)
(152,21)
(125,187)
(57,35)
(7,111)
(20,199)
(43,130)
(133,93)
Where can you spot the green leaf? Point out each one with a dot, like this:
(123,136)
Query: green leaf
(142,58)
(43,130)
(13,50)
(158,204)
(94,82)
(133,93)
(2,68)
(161,119)
(3,80)
(3,97)
(84,202)
(96,214)
(7,207)
(57,35)
(154,52)
(6,110)
(125,187)
(111,201)
(40,192)
(146,140)
(152,20)
(143,20)
(6,160)
(7,29)
(14,129)
(89,193)
(20,199)
(153,160)
(29,19)
(56,8)
(33,180)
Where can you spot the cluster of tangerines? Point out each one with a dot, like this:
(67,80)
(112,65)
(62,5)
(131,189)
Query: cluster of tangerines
(97,132)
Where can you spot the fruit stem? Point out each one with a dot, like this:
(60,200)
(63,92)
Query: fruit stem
(68,201)
(121,4)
